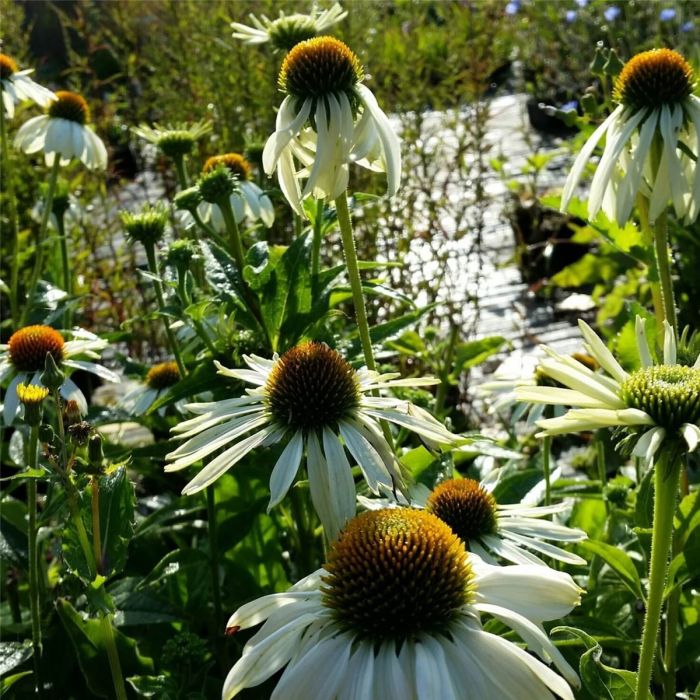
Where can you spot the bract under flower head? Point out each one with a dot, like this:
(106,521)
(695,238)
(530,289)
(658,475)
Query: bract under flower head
(174,140)
(648,139)
(288,30)
(328,120)
(146,226)
(235,162)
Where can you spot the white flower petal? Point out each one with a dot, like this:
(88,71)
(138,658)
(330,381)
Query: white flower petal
(285,470)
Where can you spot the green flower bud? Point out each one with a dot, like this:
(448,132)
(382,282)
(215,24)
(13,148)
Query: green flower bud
(216,185)
(52,377)
(148,226)
(187,200)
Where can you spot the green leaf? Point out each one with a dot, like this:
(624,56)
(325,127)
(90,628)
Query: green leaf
(116,509)
(619,561)
(116,519)
(14,548)
(12,654)
(8,681)
(644,506)
(202,378)
(601,682)
(473,353)
(87,637)
(591,268)
(149,686)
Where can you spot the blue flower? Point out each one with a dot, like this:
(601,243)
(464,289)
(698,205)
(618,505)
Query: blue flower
(687,26)
(611,13)
(582,3)
(571,106)
(570,15)
(512,8)
(667,14)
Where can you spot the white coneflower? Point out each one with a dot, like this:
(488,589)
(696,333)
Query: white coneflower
(313,400)
(288,30)
(659,404)
(248,201)
(173,140)
(159,378)
(327,120)
(64,130)
(395,615)
(23,359)
(488,528)
(649,139)
(17,86)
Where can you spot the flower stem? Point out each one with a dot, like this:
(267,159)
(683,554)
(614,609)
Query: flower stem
(67,281)
(602,469)
(662,253)
(113,656)
(39,254)
(214,555)
(666,473)
(172,341)
(316,242)
(182,178)
(96,538)
(546,458)
(34,558)
(9,187)
(341,205)
(233,232)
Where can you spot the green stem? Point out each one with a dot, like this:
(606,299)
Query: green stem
(648,240)
(341,205)
(33,557)
(602,470)
(316,242)
(214,555)
(39,254)
(67,280)
(441,392)
(546,458)
(206,229)
(298,226)
(172,341)
(236,247)
(113,656)
(96,538)
(667,471)
(182,177)
(662,254)
(9,187)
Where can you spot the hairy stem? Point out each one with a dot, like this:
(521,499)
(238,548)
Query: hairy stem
(666,475)
(113,655)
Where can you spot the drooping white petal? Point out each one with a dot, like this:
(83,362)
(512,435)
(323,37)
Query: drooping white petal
(212,471)
(669,344)
(582,159)
(649,442)
(285,470)
(691,434)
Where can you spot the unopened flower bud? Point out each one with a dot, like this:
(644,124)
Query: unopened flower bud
(52,377)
